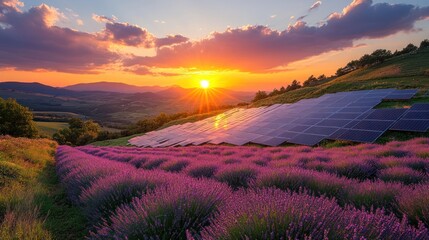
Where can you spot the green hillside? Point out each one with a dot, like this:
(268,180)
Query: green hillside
(405,71)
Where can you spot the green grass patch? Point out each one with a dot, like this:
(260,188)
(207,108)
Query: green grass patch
(33,205)
(49,128)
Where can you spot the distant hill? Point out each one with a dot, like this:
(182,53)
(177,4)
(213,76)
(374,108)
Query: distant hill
(109,107)
(113,87)
(35,88)
(405,71)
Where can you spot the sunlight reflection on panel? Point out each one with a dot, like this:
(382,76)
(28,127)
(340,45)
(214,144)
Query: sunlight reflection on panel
(341,116)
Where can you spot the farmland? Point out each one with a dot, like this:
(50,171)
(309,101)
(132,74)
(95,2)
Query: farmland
(218,192)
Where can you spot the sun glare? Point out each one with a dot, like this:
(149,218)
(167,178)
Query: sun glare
(205,84)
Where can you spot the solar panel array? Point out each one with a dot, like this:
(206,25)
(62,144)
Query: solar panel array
(340,116)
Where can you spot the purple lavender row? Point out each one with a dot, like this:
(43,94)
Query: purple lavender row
(127,203)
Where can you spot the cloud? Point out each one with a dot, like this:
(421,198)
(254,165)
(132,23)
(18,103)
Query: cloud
(315,5)
(30,41)
(170,40)
(127,34)
(259,48)
(103,19)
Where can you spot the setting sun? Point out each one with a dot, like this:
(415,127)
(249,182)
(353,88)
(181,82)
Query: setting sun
(205,84)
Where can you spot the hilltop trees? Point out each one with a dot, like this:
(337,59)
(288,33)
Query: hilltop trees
(424,44)
(16,120)
(260,95)
(78,133)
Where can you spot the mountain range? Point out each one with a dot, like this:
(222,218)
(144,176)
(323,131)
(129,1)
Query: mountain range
(114,103)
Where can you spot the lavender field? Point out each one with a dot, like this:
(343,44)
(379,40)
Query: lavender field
(219,192)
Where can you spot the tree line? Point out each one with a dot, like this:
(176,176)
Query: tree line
(367,60)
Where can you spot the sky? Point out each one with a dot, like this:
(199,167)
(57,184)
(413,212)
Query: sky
(242,44)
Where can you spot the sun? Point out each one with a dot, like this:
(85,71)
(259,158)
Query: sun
(205,84)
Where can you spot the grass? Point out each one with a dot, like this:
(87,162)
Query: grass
(33,204)
(49,128)
(402,72)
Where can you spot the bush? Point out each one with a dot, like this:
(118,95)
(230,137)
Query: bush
(401,174)
(202,170)
(105,195)
(16,120)
(414,203)
(168,213)
(237,176)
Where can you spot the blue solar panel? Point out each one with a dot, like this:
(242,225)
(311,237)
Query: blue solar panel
(420,107)
(325,131)
(374,125)
(333,123)
(411,125)
(416,115)
(386,114)
(360,136)
(306,139)
(349,116)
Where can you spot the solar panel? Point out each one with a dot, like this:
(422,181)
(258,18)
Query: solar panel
(269,141)
(373,125)
(349,116)
(420,107)
(306,139)
(287,134)
(299,128)
(386,114)
(399,97)
(325,131)
(411,125)
(360,136)
(416,115)
(333,123)
(344,115)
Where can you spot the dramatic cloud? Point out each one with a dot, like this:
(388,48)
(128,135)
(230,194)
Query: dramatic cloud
(29,41)
(315,5)
(259,48)
(170,40)
(133,35)
(130,35)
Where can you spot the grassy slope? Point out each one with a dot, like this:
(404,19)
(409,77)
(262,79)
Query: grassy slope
(409,71)
(49,128)
(32,203)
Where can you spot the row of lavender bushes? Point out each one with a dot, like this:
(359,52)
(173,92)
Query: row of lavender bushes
(125,201)
(393,176)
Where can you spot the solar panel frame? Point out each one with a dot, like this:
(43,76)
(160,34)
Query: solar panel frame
(360,136)
(306,139)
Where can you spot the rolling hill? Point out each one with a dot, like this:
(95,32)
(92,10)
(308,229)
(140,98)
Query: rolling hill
(401,72)
(112,108)
(113,87)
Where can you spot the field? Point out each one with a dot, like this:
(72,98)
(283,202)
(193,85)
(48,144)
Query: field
(49,128)
(366,191)
(33,205)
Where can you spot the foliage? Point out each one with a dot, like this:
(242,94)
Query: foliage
(297,194)
(78,133)
(32,202)
(16,120)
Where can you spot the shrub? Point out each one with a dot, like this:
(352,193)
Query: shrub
(237,176)
(168,213)
(202,170)
(175,165)
(401,174)
(414,202)
(105,195)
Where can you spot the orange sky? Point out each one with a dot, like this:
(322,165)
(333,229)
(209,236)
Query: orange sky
(39,44)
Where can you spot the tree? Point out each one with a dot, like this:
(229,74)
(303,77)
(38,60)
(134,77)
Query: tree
(78,133)
(16,120)
(310,81)
(408,49)
(294,85)
(259,96)
(424,44)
